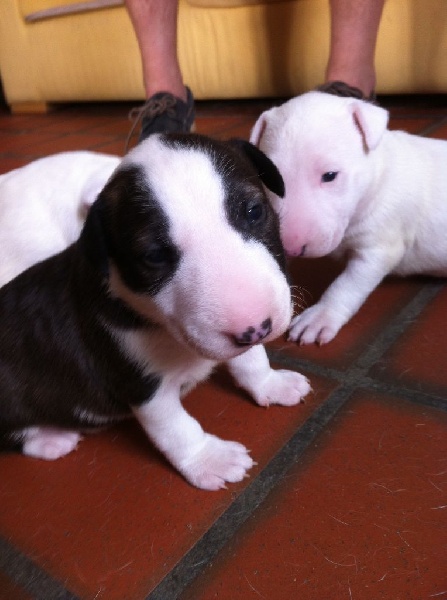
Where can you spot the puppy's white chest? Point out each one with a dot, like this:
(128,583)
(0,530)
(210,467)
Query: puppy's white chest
(155,351)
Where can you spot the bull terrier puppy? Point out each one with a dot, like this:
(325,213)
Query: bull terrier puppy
(179,267)
(354,188)
(43,206)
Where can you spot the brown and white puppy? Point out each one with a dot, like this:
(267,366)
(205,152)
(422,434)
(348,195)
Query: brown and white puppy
(179,267)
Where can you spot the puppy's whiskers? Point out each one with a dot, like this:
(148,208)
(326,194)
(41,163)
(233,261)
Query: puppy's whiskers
(298,297)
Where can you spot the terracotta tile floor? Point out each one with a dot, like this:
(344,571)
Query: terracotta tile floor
(349,496)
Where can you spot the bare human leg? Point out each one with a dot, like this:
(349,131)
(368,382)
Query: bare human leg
(354,27)
(155,25)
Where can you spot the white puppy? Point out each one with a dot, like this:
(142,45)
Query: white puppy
(354,188)
(44,204)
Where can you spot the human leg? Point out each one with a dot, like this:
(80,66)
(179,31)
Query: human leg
(354,27)
(169,105)
(155,25)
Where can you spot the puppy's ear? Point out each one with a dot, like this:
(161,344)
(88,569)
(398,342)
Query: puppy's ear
(267,171)
(259,127)
(371,120)
(92,241)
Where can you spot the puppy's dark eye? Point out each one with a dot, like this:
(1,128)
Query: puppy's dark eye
(254,212)
(329,176)
(158,256)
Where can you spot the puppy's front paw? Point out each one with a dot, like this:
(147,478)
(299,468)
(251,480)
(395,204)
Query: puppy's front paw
(216,463)
(316,324)
(283,387)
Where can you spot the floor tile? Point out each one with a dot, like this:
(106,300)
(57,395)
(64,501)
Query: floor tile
(414,126)
(28,143)
(76,141)
(16,123)
(418,360)
(113,517)
(227,127)
(117,147)
(362,516)
(312,277)
(440,133)
(10,591)
(9,164)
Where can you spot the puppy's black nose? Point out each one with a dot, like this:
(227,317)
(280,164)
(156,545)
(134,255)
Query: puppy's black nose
(253,335)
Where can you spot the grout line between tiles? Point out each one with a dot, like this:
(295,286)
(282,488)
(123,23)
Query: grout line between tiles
(397,326)
(426,399)
(242,508)
(26,574)
(440,122)
(389,335)
(364,382)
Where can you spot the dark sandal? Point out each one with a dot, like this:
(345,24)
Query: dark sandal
(163,113)
(340,88)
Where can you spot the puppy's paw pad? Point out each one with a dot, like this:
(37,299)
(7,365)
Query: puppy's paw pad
(283,387)
(218,462)
(50,444)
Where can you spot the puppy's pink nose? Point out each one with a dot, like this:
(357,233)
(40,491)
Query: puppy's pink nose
(253,335)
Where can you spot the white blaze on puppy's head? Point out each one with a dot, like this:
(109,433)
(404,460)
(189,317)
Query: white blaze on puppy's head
(211,261)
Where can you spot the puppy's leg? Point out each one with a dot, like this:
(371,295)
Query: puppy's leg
(252,371)
(205,460)
(343,298)
(48,442)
